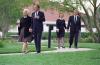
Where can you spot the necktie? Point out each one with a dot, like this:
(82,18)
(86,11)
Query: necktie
(75,19)
(36,14)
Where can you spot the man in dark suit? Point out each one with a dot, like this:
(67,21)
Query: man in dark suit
(74,24)
(37,26)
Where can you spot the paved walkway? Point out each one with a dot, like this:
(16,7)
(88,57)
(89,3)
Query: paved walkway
(54,51)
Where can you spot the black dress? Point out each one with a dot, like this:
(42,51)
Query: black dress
(24,34)
(60,24)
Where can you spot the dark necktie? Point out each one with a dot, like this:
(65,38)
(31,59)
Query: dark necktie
(36,14)
(75,18)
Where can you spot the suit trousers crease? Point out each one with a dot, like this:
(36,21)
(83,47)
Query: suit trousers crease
(74,35)
(37,39)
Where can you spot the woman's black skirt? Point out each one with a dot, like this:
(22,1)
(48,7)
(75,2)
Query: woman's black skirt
(60,33)
(25,35)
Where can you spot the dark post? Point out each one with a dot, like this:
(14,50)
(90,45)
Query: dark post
(49,36)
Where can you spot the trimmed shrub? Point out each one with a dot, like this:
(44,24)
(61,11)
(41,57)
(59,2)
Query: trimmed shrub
(1,44)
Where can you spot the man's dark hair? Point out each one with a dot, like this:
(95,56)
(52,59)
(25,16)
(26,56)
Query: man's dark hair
(37,5)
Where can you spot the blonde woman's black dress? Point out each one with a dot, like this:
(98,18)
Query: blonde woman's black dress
(24,34)
(61,25)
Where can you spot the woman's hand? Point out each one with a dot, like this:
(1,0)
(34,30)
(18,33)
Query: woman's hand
(30,30)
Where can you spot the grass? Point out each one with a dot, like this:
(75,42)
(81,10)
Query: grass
(13,46)
(73,58)
(66,58)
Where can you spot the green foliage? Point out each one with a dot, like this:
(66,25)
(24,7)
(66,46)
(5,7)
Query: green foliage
(84,37)
(11,10)
(1,44)
(45,4)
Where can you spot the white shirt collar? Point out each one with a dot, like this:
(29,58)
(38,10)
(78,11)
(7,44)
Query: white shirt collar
(61,18)
(25,16)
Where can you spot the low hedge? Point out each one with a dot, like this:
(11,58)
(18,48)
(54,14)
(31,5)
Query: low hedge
(1,44)
(84,37)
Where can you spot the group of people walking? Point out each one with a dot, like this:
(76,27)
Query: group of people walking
(32,27)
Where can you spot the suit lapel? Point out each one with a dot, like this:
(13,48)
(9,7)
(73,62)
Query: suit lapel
(73,19)
(76,20)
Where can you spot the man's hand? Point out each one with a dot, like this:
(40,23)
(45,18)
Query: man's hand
(67,30)
(30,30)
(37,17)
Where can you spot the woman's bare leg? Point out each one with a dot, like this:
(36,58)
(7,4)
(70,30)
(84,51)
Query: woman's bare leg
(58,40)
(25,47)
(62,42)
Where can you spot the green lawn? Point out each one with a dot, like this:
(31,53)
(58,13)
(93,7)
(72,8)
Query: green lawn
(13,46)
(67,58)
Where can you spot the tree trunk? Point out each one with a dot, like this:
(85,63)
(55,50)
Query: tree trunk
(88,23)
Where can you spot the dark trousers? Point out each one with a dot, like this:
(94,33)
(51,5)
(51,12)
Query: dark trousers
(37,39)
(74,37)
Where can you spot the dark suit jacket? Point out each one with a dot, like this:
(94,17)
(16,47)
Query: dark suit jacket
(38,23)
(72,25)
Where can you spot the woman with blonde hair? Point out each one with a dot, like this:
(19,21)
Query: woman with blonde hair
(61,26)
(25,35)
